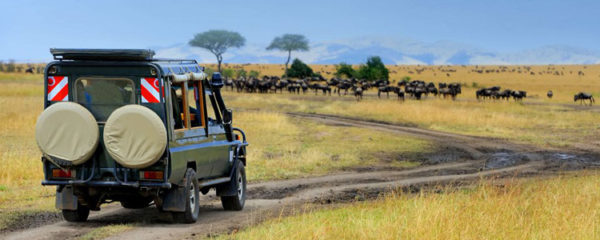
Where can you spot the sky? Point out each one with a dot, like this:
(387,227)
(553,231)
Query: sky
(29,28)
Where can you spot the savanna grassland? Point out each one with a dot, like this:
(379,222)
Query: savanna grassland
(565,207)
(283,147)
(555,122)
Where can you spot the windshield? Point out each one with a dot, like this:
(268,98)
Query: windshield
(103,95)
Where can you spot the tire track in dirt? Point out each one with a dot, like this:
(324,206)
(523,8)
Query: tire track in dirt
(215,221)
(285,197)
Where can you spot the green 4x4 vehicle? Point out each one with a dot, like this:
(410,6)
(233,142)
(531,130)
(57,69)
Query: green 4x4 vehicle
(120,125)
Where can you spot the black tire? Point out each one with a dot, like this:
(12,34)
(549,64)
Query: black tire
(236,202)
(192,194)
(136,203)
(79,215)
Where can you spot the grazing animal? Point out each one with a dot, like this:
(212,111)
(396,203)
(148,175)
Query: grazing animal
(358,93)
(400,95)
(550,94)
(387,90)
(584,96)
(344,85)
(519,95)
(452,90)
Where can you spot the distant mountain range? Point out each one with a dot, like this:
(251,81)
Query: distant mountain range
(391,51)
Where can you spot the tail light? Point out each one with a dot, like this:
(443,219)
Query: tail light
(152,175)
(59,173)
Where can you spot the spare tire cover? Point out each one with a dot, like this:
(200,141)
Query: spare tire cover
(135,136)
(67,132)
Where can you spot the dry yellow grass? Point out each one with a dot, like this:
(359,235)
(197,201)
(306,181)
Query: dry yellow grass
(285,147)
(542,124)
(558,208)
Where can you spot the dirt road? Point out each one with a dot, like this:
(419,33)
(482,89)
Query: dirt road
(457,158)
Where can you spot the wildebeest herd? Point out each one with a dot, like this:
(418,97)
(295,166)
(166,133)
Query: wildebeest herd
(415,89)
(496,93)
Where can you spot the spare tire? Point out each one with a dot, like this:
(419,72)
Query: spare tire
(67,133)
(135,136)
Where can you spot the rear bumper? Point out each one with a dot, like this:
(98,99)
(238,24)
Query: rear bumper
(107,183)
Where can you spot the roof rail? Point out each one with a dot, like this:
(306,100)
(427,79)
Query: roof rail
(102,54)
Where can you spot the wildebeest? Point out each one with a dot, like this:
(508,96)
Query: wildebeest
(358,93)
(519,95)
(415,89)
(343,85)
(550,94)
(323,87)
(584,96)
(400,95)
(491,92)
(387,90)
(504,94)
(452,90)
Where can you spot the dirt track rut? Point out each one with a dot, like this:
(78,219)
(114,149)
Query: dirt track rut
(479,157)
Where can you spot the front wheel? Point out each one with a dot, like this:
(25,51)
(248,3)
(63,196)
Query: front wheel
(79,215)
(236,202)
(192,195)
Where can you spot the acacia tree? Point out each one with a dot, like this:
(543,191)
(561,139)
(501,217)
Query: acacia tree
(289,43)
(217,42)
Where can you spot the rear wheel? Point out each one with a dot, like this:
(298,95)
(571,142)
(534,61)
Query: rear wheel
(192,195)
(236,202)
(79,215)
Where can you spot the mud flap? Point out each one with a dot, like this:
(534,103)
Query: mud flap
(65,199)
(174,200)
(229,188)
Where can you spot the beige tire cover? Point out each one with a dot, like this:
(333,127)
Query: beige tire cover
(135,136)
(67,131)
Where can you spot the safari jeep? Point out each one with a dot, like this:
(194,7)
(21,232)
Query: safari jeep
(119,125)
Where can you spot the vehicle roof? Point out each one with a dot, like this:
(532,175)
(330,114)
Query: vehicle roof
(168,66)
(102,54)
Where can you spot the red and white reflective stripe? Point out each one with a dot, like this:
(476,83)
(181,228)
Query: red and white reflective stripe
(58,88)
(150,90)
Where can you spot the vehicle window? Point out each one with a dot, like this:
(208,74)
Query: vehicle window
(194,104)
(177,104)
(103,95)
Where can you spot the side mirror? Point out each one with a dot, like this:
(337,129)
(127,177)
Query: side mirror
(227,116)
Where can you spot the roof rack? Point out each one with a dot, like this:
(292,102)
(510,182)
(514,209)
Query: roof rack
(102,54)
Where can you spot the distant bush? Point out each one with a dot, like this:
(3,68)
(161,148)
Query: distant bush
(373,70)
(240,73)
(299,70)
(254,73)
(10,66)
(344,69)
(227,72)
